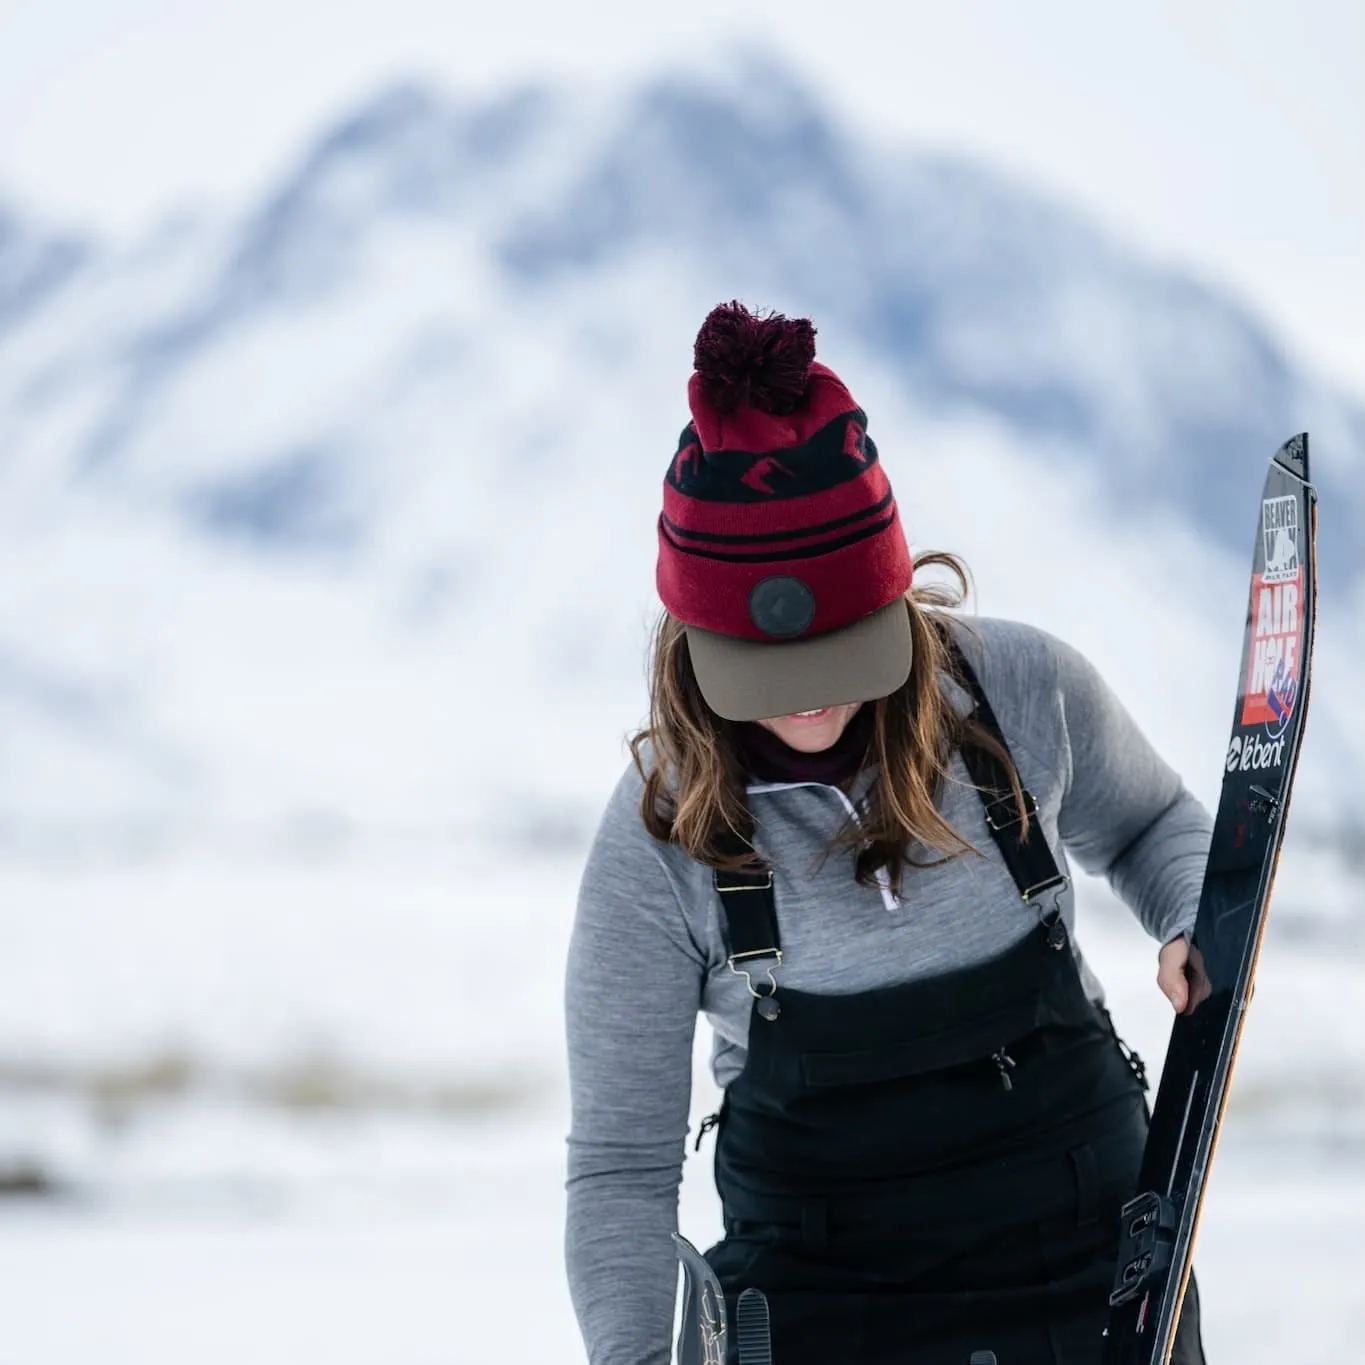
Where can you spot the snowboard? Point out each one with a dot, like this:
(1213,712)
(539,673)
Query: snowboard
(1159,1226)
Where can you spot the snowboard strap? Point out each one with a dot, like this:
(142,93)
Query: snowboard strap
(752,1328)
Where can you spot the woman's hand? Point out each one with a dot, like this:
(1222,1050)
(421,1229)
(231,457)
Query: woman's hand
(1181,975)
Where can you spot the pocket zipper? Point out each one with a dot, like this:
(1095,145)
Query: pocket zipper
(1004,1064)
(709,1122)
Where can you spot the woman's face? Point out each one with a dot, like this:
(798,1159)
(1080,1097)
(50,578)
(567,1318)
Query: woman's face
(808,732)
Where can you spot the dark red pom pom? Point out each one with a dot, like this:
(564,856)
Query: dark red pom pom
(749,361)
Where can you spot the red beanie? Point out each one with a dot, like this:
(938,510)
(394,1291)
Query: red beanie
(778,521)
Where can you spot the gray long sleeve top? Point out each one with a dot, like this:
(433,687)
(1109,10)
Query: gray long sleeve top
(647,952)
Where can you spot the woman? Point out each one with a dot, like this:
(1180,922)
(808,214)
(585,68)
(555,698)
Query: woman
(844,838)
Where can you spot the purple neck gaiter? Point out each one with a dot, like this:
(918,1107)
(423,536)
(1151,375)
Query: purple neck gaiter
(766,757)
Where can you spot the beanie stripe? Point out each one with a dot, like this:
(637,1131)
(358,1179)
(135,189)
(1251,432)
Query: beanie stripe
(858,488)
(678,532)
(777,557)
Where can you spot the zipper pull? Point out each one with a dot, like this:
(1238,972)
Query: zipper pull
(1004,1064)
(1135,1063)
(708,1123)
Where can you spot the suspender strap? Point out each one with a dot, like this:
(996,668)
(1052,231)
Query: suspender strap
(747,899)
(1026,853)
(750,910)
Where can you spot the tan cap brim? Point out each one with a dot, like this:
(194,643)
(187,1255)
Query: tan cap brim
(756,680)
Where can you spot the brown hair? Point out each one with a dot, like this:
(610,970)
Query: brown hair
(694,792)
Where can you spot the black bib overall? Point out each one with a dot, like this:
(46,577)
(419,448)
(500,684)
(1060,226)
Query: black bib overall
(920,1172)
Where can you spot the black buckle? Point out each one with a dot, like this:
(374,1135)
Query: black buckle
(1003,812)
(1056,929)
(1146,1243)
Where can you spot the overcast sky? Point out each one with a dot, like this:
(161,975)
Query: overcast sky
(1227,135)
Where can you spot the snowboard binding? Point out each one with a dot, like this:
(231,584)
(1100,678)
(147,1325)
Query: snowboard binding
(701,1337)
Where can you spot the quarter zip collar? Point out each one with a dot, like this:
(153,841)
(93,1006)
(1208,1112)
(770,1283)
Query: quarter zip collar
(864,780)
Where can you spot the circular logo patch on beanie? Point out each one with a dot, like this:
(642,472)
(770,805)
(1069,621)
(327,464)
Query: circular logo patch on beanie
(781,606)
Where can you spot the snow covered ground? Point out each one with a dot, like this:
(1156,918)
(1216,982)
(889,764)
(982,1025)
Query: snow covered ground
(461,1264)
(351,1148)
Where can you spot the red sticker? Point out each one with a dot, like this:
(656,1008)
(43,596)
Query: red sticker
(1272,681)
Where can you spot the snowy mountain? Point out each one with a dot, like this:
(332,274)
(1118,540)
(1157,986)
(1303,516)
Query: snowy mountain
(338,516)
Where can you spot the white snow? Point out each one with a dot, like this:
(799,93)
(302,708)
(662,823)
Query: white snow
(466,1266)
(353,1145)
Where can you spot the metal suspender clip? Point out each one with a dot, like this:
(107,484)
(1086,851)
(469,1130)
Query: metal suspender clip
(1003,812)
(767,1005)
(748,881)
(1060,881)
(752,922)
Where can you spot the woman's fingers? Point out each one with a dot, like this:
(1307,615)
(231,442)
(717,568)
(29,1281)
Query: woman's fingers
(1182,976)
(1198,977)
(1170,973)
